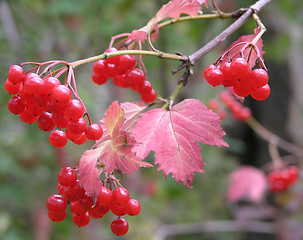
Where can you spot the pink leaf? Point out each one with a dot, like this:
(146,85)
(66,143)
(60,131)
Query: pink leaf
(114,117)
(114,150)
(234,50)
(173,9)
(246,182)
(88,173)
(173,136)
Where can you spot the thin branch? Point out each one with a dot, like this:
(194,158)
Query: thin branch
(214,227)
(227,32)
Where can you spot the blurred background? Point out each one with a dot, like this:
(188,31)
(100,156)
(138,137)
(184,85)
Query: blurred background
(37,30)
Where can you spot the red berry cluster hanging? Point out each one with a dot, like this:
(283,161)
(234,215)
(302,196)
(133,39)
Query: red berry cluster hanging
(238,111)
(84,207)
(124,74)
(282,179)
(50,103)
(238,75)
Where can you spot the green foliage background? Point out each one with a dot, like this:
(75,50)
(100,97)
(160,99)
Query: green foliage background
(37,30)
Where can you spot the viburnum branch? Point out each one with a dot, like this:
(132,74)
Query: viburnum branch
(196,56)
(173,96)
(124,52)
(273,138)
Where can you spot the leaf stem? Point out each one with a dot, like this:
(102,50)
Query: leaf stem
(173,96)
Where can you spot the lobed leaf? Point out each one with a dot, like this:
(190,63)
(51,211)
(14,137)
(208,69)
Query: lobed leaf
(173,136)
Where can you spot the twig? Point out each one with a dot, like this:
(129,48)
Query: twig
(196,56)
(214,227)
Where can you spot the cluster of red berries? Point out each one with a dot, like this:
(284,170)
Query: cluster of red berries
(50,103)
(282,179)
(238,111)
(238,75)
(124,74)
(83,207)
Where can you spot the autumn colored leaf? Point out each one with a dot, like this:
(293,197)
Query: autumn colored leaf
(236,47)
(173,9)
(174,135)
(113,152)
(246,182)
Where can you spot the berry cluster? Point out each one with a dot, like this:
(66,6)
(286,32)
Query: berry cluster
(281,180)
(50,103)
(238,75)
(83,207)
(124,74)
(238,111)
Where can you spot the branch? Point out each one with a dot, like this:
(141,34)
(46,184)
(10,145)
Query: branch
(196,56)
(214,226)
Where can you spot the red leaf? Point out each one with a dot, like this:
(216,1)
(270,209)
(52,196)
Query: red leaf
(173,9)
(114,150)
(245,39)
(88,173)
(246,182)
(173,136)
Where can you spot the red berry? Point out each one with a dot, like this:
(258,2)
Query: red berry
(241,91)
(76,209)
(67,176)
(149,97)
(119,226)
(94,131)
(50,84)
(72,136)
(99,79)
(56,203)
(57,216)
(74,109)
(240,68)
(126,62)
(81,140)
(34,85)
(77,126)
(12,88)
(120,81)
(146,87)
(81,220)
(120,196)
(260,93)
(16,74)
(27,117)
(214,77)
(208,68)
(100,68)
(60,121)
(61,94)
(118,210)
(229,79)
(98,211)
(259,77)
(45,122)
(75,191)
(16,105)
(105,197)
(293,174)
(58,138)
(34,108)
(86,203)
(133,207)
(135,77)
